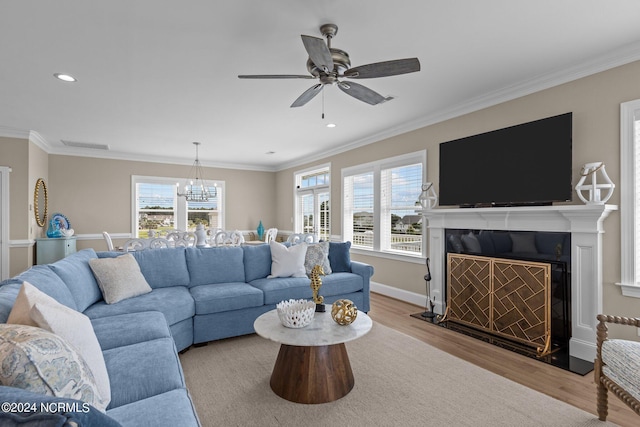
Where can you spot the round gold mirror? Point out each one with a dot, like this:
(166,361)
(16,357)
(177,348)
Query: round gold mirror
(40,202)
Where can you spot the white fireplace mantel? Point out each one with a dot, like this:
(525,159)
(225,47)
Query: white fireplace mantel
(584,222)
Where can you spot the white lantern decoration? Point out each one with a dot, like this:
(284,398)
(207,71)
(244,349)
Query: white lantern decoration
(597,193)
(428,198)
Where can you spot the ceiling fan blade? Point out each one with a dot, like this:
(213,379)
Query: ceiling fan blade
(307,95)
(275,76)
(318,52)
(362,93)
(384,69)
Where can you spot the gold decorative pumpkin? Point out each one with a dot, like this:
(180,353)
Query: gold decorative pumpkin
(344,312)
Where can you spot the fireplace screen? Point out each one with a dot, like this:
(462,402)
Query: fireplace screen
(505,297)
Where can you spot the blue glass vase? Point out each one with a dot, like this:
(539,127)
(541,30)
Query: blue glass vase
(54,229)
(260,231)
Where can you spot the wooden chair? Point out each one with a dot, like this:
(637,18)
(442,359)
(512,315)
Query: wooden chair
(296,238)
(107,238)
(617,366)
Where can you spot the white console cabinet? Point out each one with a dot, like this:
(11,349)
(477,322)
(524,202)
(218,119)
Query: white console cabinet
(52,250)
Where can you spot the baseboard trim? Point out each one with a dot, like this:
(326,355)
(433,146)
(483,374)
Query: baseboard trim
(399,294)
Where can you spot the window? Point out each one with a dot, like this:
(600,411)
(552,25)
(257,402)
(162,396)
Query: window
(630,197)
(379,204)
(157,207)
(312,194)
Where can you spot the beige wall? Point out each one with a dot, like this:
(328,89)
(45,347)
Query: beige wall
(95,194)
(595,102)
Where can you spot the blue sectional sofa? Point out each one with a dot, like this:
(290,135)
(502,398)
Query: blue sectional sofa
(198,295)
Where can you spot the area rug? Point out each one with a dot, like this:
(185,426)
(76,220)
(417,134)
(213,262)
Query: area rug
(399,381)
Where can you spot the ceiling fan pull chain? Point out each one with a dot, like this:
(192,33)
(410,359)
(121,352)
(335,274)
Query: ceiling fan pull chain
(322,105)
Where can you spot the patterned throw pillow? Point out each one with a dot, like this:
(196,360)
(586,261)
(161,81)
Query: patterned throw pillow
(70,325)
(317,254)
(37,360)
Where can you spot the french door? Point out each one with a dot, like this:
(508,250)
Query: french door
(313,214)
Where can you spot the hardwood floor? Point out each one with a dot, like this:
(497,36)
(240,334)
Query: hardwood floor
(577,390)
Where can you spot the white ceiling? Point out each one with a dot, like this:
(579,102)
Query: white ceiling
(155,75)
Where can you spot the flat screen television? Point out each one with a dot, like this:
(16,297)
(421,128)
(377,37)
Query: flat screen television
(526,164)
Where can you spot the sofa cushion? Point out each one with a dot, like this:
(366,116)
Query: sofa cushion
(163,267)
(622,364)
(119,278)
(43,278)
(215,265)
(341,283)
(225,297)
(73,412)
(142,370)
(8,295)
(175,303)
(173,408)
(116,331)
(287,261)
(40,361)
(284,288)
(317,254)
(75,273)
(339,257)
(257,262)
(35,308)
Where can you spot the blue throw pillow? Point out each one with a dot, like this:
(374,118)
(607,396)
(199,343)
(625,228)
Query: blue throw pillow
(257,262)
(339,257)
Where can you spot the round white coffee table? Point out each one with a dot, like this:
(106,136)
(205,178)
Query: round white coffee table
(312,365)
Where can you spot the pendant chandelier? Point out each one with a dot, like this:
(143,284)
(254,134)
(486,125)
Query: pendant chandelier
(195,188)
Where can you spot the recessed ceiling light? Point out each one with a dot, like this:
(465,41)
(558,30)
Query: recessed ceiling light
(331,125)
(65,77)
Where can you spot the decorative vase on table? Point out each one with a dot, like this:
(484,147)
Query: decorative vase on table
(260,231)
(201,235)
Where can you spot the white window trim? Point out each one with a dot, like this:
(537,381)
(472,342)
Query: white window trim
(311,190)
(628,284)
(181,208)
(377,166)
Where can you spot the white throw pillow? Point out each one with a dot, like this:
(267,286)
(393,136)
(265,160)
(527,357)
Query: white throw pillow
(287,262)
(72,326)
(21,311)
(119,278)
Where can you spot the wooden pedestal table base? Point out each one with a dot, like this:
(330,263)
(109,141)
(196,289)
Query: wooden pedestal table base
(312,374)
(312,365)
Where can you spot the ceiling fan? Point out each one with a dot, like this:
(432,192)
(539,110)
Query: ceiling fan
(329,65)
